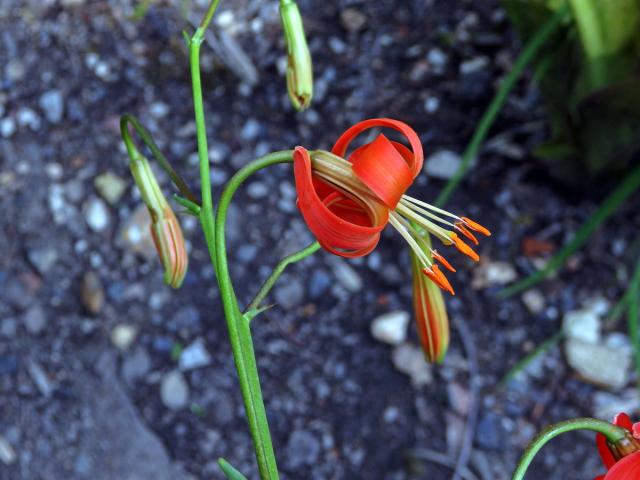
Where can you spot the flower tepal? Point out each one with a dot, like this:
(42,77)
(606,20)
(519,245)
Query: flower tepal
(348,199)
(622,459)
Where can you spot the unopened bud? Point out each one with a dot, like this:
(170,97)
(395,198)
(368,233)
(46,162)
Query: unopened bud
(299,68)
(165,229)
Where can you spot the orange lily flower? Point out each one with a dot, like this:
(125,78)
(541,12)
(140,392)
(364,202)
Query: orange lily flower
(347,203)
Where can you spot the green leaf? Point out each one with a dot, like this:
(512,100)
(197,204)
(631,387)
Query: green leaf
(229,471)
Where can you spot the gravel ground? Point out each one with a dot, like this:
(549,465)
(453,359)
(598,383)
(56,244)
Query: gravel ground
(106,373)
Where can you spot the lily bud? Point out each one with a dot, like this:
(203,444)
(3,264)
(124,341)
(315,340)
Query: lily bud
(431,314)
(299,68)
(165,229)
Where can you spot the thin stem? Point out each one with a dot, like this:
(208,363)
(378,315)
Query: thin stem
(611,432)
(528,53)
(239,330)
(277,271)
(206,212)
(633,316)
(127,120)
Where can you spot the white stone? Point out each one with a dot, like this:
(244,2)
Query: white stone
(442,164)
(599,364)
(391,327)
(534,301)
(490,274)
(96,214)
(410,360)
(583,325)
(7,453)
(123,335)
(174,390)
(194,356)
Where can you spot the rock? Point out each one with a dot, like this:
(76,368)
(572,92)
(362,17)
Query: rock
(8,127)
(8,364)
(458,398)
(431,104)
(391,327)
(96,214)
(442,164)
(437,59)
(534,301)
(489,274)
(303,448)
(35,320)
(40,378)
(15,70)
(250,130)
(136,365)
(599,364)
(92,293)
(607,405)
(454,432)
(43,258)
(490,433)
(123,335)
(346,275)
(353,19)
(582,325)
(174,391)
(257,190)
(319,283)
(136,233)
(194,356)
(409,360)
(289,294)
(7,453)
(52,103)
(110,187)
(474,65)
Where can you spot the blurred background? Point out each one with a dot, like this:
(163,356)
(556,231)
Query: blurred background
(107,373)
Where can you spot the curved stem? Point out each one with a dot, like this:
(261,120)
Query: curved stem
(239,330)
(528,53)
(127,120)
(610,431)
(277,271)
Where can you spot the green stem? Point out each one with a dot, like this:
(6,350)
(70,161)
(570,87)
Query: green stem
(629,185)
(528,53)
(633,316)
(277,271)
(206,212)
(127,120)
(239,330)
(611,432)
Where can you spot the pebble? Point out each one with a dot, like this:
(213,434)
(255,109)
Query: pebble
(35,320)
(52,103)
(438,59)
(7,453)
(319,283)
(96,214)
(303,448)
(289,294)
(442,164)
(110,187)
(250,130)
(474,65)
(40,378)
(391,327)
(92,293)
(123,335)
(599,364)
(43,258)
(489,274)
(431,104)
(28,118)
(346,275)
(582,325)
(15,70)
(606,405)
(409,360)
(174,390)
(7,127)
(534,301)
(353,19)
(136,365)
(136,234)
(257,190)
(194,356)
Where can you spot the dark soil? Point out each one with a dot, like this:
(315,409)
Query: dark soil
(75,403)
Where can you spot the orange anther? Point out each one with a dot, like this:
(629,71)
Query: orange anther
(463,247)
(476,227)
(437,277)
(464,231)
(442,260)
